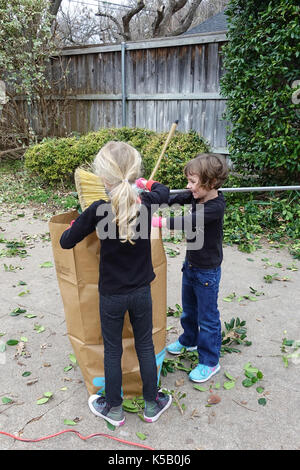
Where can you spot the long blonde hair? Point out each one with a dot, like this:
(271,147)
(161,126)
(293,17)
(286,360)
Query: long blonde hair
(119,164)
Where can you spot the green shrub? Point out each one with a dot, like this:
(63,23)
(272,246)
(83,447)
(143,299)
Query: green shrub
(261,60)
(55,160)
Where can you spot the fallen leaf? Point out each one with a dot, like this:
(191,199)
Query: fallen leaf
(6,400)
(41,401)
(20,348)
(214,399)
(69,422)
(195,414)
(179,382)
(46,264)
(141,436)
(200,388)
(26,373)
(32,382)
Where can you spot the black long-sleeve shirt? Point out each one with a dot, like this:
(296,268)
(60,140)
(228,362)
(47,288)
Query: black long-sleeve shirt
(124,267)
(210,256)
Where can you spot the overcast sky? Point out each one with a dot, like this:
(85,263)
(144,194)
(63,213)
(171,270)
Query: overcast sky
(91,4)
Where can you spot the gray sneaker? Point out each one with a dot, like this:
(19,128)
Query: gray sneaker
(113,414)
(153,409)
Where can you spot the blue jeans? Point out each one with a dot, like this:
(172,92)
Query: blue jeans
(200,318)
(138,303)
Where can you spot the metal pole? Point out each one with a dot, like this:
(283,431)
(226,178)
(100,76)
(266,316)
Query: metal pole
(123,72)
(246,190)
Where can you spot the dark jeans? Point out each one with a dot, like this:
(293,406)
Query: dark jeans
(112,311)
(200,318)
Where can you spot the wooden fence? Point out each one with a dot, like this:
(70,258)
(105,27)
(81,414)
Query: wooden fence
(149,84)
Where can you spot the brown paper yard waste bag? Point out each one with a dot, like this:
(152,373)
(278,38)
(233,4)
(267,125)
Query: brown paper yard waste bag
(77,272)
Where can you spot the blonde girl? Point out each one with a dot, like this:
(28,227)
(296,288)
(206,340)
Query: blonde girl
(125,274)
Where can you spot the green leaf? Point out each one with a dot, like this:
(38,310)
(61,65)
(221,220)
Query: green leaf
(229,385)
(69,422)
(262,401)
(73,358)
(110,426)
(200,388)
(248,374)
(12,342)
(252,370)
(46,264)
(141,436)
(129,406)
(39,328)
(259,389)
(230,297)
(48,394)
(229,376)
(17,311)
(66,369)
(247,383)
(26,374)
(6,400)
(24,292)
(41,401)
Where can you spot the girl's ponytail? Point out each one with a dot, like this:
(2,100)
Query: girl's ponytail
(119,164)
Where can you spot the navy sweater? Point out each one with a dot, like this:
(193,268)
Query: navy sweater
(210,256)
(123,267)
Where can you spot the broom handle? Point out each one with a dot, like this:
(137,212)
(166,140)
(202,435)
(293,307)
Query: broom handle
(171,133)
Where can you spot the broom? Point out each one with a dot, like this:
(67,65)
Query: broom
(90,187)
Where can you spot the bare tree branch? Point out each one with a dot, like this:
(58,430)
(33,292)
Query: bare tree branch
(114,20)
(128,17)
(172,7)
(186,22)
(54,6)
(179,4)
(158,19)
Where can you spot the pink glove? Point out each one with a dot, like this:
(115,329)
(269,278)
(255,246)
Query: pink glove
(141,183)
(156,222)
(72,222)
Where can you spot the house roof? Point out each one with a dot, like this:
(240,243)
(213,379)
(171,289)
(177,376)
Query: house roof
(217,22)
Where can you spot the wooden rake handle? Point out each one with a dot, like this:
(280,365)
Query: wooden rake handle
(171,133)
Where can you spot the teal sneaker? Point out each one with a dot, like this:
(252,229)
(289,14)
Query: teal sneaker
(113,414)
(153,409)
(202,373)
(176,347)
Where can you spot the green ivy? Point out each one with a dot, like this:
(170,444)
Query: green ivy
(262,61)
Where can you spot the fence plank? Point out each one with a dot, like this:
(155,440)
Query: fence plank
(166,79)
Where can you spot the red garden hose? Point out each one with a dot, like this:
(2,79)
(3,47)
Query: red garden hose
(84,438)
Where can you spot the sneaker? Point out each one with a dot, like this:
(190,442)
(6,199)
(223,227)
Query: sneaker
(153,409)
(201,373)
(176,347)
(113,414)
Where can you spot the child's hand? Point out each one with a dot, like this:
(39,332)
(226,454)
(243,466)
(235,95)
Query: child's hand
(141,183)
(158,222)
